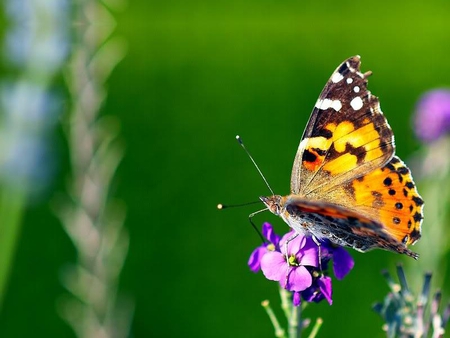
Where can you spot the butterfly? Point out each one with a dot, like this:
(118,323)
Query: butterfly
(347,185)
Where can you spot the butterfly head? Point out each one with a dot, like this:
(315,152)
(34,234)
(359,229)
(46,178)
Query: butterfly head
(274,203)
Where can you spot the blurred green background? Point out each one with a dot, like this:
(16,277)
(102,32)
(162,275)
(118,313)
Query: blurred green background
(196,74)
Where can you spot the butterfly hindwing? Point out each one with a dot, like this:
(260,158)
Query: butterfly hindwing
(388,194)
(342,226)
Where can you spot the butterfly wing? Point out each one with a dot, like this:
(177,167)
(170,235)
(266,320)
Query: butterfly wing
(379,210)
(389,195)
(345,165)
(347,135)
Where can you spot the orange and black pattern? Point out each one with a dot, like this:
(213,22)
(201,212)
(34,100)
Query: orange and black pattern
(346,183)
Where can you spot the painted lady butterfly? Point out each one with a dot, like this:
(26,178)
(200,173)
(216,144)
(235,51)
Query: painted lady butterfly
(346,184)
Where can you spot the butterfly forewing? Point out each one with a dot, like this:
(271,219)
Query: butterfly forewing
(347,135)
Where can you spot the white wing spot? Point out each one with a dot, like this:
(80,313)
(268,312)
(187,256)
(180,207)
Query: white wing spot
(356,89)
(356,103)
(323,104)
(327,103)
(336,105)
(336,77)
(349,80)
(302,144)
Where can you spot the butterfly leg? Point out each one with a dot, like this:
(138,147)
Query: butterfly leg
(319,245)
(290,239)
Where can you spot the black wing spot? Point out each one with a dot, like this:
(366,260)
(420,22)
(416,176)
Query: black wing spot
(403,170)
(417,217)
(323,133)
(343,69)
(405,192)
(396,220)
(409,185)
(415,234)
(320,152)
(399,205)
(417,200)
(391,192)
(411,208)
(409,224)
(309,156)
(390,167)
(387,181)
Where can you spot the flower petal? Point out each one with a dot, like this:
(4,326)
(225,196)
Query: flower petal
(274,266)
(268,233)
(296,299)
(254,262)
(342,262)
(325,288)
(309,254)
(294,242)
(299,279)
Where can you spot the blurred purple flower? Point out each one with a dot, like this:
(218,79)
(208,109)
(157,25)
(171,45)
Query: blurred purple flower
(432,116)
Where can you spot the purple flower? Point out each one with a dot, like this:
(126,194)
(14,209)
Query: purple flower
(288,266)
(432,116)
(342,261)
(293,261)
(319,290)
(254,261)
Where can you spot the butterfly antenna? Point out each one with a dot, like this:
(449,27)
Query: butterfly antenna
(238,138)
(221,206)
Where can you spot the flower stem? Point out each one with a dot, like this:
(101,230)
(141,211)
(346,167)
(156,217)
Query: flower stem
(316,328)
(279,331)
(285,305)
(295,322)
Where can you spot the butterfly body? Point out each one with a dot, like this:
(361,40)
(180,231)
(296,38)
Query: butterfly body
(346,184)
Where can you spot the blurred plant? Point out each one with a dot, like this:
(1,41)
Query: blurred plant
(431,167)
(36,45)
(91,219)
(406,315)
(293,261)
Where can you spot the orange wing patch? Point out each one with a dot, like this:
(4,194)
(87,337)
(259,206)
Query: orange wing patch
(389,195)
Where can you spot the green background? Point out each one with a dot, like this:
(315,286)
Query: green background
(196,74)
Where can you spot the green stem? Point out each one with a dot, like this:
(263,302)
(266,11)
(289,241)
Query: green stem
(295,322)
(11,211)
(316,328)
(279,331)
(285,303)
